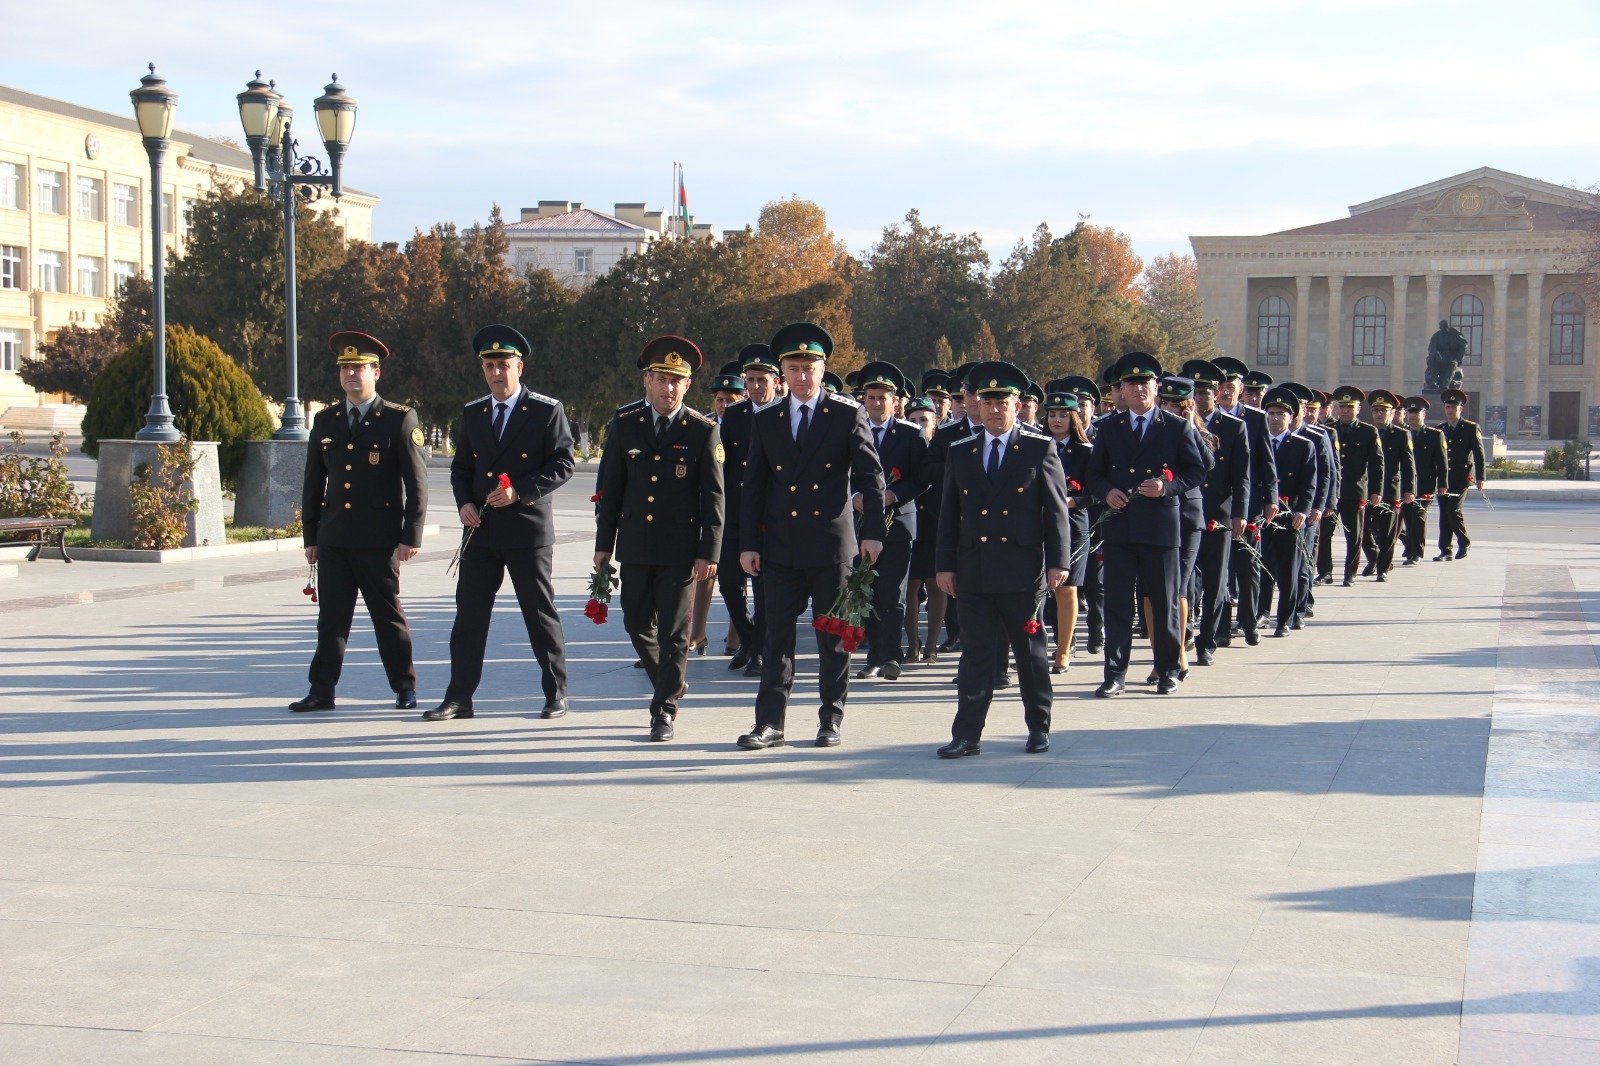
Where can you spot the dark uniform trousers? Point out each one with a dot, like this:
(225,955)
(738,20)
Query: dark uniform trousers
(1006,615)
(1414,528)
(1383,529)
(1353,520)
(1245,577)
(887,626)
(1282,551)
(341,573)
(1215,550)
(483,570)
(655,612)
(785,592)
(1452,524)
(1329,523)
(1129,569)
(744,608)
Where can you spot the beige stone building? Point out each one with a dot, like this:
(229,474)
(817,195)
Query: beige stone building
(578,244)
(1356,300)
(74,215)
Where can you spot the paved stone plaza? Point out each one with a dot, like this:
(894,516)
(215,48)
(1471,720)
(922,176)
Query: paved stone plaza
(1376,841)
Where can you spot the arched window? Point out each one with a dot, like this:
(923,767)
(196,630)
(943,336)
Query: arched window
(1369,335)
(1466,315)
(1272,332)
(1566,330)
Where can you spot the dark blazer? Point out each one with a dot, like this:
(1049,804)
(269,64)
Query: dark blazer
(795,502)
(1075,458)
(734,432)
(1226,489)
(904,450)
(1122,461)
(1297,474)
(1000,534)
(1427,445)
(1464,454)
(1327,454)
(1399,466)
(367,489)
(1360,460)
(535,451)
(661,499)
(1263,470)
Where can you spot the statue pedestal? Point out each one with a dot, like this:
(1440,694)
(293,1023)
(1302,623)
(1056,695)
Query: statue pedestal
(115,474)
(269,483)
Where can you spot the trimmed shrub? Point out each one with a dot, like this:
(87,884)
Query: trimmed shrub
(210,396)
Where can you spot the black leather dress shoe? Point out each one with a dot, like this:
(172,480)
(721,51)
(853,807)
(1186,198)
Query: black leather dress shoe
(1003,681)
(1281,631)
(1461,552)
(761,737)
(447,710)
(313,703)
(1369,570)
(1442,557)
(953,644)
(405,699)
(1094,647)
(869,671)
(958,748)
(661,728)
(1382,578)
(1109,689)
(1349,582)
(638,664)
(1203,658)
(554,708)
(890,671)
(1410,560)
(1295,623)
(1167,685)
(828,736)
(753,667)
(741,659)
(1037,741)
(1252,639)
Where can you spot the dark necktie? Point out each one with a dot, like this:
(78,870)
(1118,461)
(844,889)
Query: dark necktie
(1138,427)
(355,419)
(805,423)
(877,437)
(499,419)
(662,422)
(994,457)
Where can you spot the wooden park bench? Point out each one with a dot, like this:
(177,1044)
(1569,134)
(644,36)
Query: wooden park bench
(42,533)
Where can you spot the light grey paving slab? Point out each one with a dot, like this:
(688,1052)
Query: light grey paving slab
(42,1045)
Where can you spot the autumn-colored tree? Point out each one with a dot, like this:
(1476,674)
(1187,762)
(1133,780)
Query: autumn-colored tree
(1043,308)
(944,356)
(983,348)
(793,245)
(918,284)
(1172,296)
(70,362)
(1109,256)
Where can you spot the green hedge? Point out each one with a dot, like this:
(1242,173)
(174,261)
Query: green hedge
(211,397)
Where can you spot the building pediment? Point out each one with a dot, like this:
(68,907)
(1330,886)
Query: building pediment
(1473,207)
(1485,200)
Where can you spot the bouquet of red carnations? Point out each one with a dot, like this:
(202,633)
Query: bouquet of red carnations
(601,582)
(852,607)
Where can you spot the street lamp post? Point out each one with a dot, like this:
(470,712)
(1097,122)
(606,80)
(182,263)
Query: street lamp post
(153,107)
(269,131)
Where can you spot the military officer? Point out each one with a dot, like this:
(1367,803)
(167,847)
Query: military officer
(1327,498)
(1399,484)
(1427,445)
(762,387)
(1225,494)
(1360,473)
(795,528)
(661,512)
(1003,545)
(523,437)
(902,452)
(1253,387)
(1295,457)
(1145,460)
(936,387)
(1244,569)
(1463,442)
(1093,594)
(362,508)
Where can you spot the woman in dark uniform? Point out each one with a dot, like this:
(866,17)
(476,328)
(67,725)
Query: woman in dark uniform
(1064,422)
(1176,396)
(920,577)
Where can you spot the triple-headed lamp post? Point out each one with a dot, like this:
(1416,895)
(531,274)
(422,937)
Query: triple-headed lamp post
(153,106)
(268,130)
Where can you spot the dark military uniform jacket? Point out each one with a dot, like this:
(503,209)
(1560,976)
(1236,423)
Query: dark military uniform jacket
(1326,447)
(999,534)
(1399,467)
(1427,445)
(1226,489)
(734,432)
(535,450)
(1464,448)
(795,501)
(1123,461)
(903,457)
(1263,469)
(367,489)
(1297,475)
(661,498)
(1360,460)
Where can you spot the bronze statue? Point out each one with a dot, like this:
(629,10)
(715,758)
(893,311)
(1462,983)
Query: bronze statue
(1446,349)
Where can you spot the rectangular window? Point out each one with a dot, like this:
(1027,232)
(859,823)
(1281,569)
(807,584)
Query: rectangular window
(89,283)
(10,349)
(124,205)
(169,221)
(91,199)
(187,212)
(11,268)
(11,185)
(583,260)
(122,272)
(50,271)
(52,198)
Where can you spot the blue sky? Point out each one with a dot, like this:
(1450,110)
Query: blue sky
(1164,118)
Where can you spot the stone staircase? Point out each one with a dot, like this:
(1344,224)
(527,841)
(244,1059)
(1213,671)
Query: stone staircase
(44,418)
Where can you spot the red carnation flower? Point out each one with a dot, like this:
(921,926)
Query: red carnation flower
(1166,473)
(596,497)
(505,481)
(1360,507)
(1211,526)
(1252,529)
(1284,500)
(1074,486)
(894,473)
(1032,627)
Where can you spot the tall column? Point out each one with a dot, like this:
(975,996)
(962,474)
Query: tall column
(1397,336)
(1333,370)
(1435,282)
(1495,372)
(1533,353)
(1299,362)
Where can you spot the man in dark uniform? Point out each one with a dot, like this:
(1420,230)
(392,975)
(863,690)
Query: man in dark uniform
(1092,596)
(1144,461)
(1004,544)
(962,424)
(1427,446)
(1399,484)
(1320,414)
(362,508)
(1243,568)
(1297,489)
(661,510)
(936,387)
(1327,497)
(1463,442)
(1225,494)
(902,452)
(1360,472)
(513,449)
(806,453)
(760,373)
(1253,386)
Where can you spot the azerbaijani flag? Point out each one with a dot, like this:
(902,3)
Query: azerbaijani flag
(683,201)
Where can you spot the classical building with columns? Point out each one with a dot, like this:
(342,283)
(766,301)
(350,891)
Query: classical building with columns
(1356,300)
